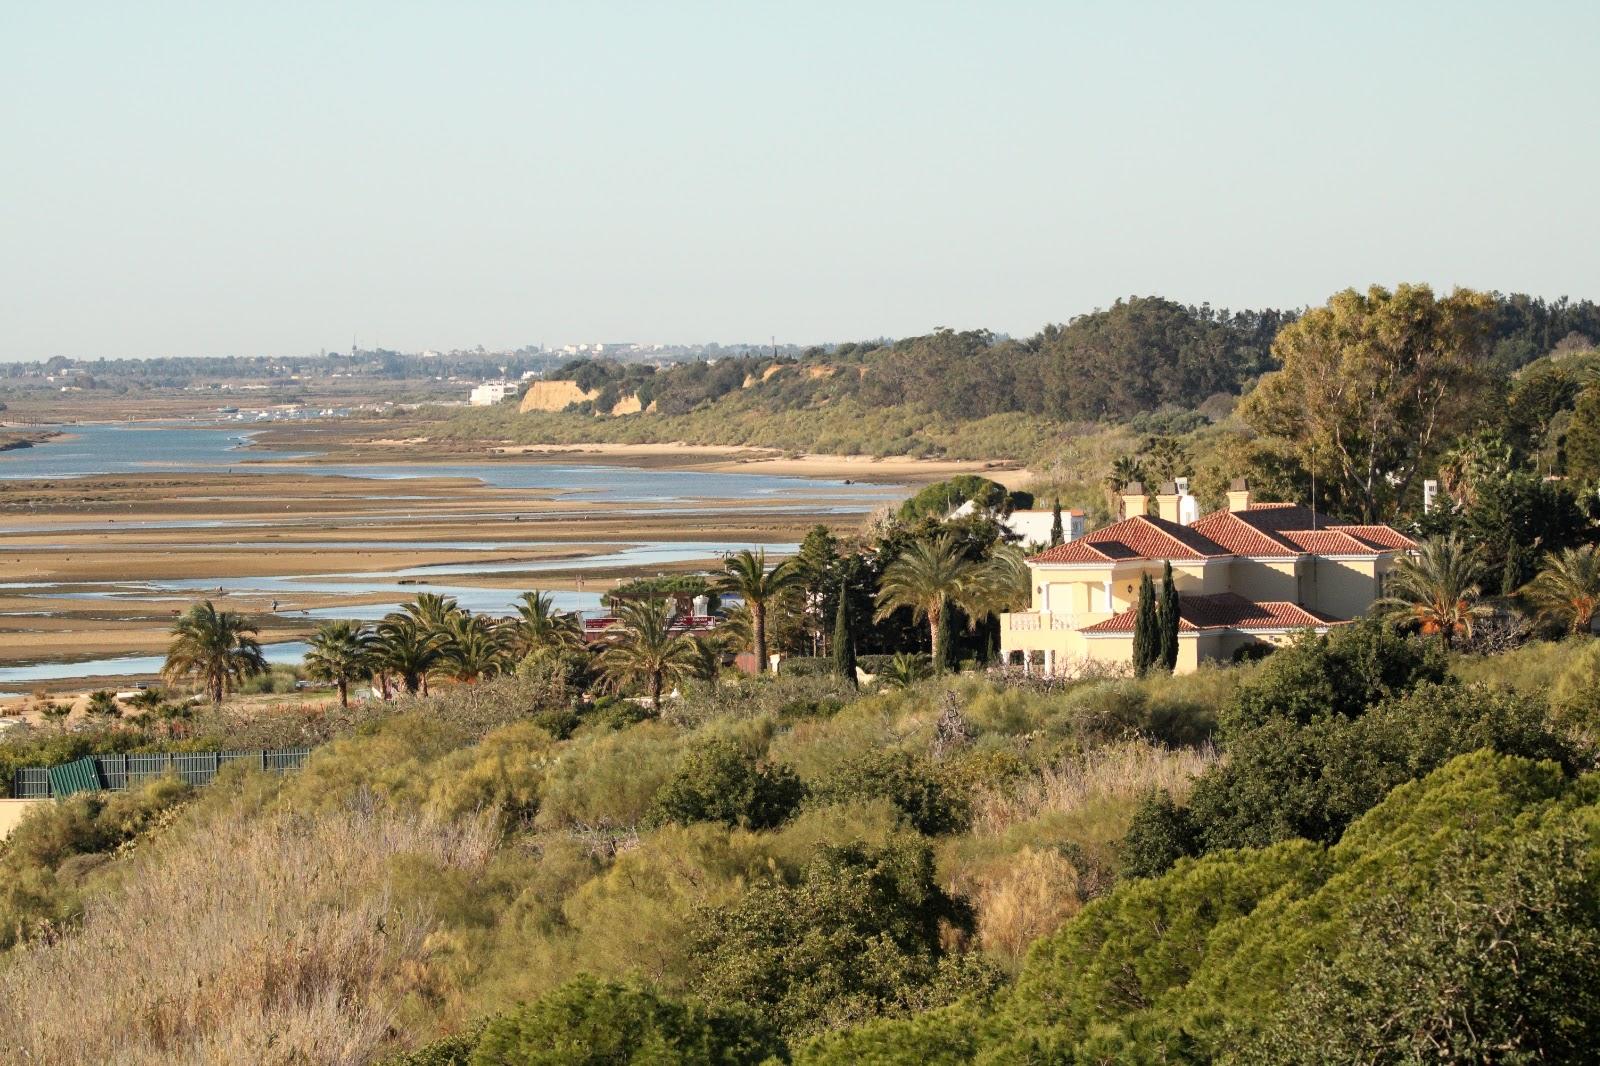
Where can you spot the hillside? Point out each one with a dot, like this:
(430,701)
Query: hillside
(959,870)
(965,395)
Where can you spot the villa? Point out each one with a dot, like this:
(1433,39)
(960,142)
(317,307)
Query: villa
(1249,575)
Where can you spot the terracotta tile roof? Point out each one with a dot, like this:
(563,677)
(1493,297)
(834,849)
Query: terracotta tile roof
(1226,611)
(1327,542)
(1290,529)
(1265,529)
(1240,537)
(1139,537)
(1385,537)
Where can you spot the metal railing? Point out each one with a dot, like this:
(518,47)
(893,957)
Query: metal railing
(115,773)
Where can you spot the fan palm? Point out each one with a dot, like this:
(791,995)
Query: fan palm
(539,625)
(215,648)
(340,652)
(1567,590)
(760,588)
(930,577)
(474,647)
(645,649)
(1436,590)
(406,649)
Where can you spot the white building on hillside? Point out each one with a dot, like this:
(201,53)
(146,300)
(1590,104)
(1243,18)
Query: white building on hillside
(491,392)
(1033,527)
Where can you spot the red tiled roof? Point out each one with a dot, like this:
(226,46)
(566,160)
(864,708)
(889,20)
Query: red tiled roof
(1139,537)
(1327,542)
(1385,537)
(1233,532)
(1226,611)
(1264,529)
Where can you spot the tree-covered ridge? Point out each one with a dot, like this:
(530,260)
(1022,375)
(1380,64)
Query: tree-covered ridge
(1141,354)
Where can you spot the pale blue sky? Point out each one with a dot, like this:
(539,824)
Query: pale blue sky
(271,178)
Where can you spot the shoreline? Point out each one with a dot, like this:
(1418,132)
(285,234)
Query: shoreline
(678,455)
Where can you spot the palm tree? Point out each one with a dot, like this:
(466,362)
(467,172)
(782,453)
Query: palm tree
(341,652)
(215,648)
(405,648)
(1436,589)
(1567,590)
(1124,471)
(431,609)
(929,577)
(473,647)
(1002,584)
(539,625)
(646,649)
(760,588)
(707,658)
(903,671)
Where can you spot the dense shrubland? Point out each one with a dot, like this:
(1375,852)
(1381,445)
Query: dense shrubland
(964,870)
(1374,846)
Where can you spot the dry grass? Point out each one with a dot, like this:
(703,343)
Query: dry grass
(1041,848)
(1118,772)
(249,938)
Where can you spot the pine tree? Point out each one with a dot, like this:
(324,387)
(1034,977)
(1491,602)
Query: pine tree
(844,649)
(1058,534)
(1168,618)
(1146,629)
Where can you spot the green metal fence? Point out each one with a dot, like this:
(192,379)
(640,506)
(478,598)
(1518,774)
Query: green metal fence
(114,773)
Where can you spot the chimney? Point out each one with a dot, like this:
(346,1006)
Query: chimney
(1134,501)
(1239,495)
(1167,502)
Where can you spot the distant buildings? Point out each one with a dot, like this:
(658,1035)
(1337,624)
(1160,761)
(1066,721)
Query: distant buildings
(491,392)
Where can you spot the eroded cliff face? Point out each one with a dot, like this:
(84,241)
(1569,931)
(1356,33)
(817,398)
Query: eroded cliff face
(553,396)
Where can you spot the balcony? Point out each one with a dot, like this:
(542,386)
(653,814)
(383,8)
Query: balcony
(1031,621)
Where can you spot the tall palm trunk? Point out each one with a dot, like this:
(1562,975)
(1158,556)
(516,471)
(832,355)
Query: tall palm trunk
(935,631)
(758,618)
(655,692)
(344,694)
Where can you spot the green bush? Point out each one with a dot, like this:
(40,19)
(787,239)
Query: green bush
(1343,672)
(454,1050)
(720,781)
(858,936)
(917,788)
(1161,833)
(1457,921)
(1285,780)
(46,862)
(589,1022)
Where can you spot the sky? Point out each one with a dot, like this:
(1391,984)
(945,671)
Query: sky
(220,178)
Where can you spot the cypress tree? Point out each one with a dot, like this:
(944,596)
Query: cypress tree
(1146,629)
(1168,613)
(1058,533)
(946,655)
(844,649)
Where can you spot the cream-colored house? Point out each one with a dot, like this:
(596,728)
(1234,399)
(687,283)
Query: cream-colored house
(1253,573)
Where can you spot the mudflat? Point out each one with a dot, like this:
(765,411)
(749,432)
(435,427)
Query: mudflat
(99,566)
